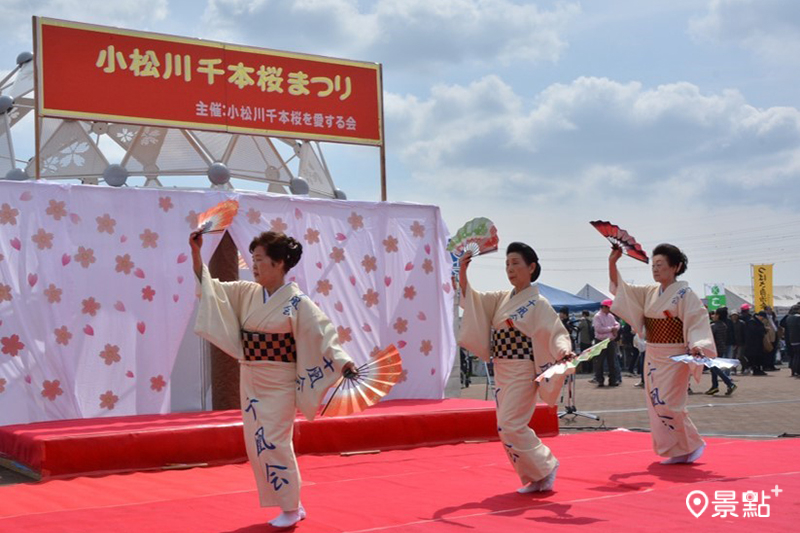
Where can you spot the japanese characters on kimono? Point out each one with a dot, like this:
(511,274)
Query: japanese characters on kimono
(530,314)
(289,356)
(673,322)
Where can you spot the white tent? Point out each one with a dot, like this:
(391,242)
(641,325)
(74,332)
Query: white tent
(784,296)
(588,292)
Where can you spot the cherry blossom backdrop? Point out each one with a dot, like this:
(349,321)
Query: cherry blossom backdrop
(96,289)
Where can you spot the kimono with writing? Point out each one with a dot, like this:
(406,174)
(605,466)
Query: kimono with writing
(678,322)
(497,324)
(530,313)
(272,391)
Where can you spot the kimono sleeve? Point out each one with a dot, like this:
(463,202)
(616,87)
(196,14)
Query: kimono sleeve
(218,319)
(479,310)
(551,343)
(320,357)
(696,324)
(629,303)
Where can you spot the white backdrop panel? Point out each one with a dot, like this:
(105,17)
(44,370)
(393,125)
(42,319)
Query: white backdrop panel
(96,289)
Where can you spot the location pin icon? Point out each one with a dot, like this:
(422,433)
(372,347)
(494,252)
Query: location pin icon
(696,502)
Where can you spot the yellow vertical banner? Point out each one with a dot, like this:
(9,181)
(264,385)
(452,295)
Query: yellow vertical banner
(762,286)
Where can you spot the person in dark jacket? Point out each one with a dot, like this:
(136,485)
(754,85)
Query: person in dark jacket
(738,340)
(792,338)
(754,332)
(719,329)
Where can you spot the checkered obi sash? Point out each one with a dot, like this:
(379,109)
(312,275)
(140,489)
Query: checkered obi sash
(511,343)
(664,330)
(269,347)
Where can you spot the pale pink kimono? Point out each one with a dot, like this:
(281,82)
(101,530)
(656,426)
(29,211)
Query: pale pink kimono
(271,391)
(667,381)
(515,388)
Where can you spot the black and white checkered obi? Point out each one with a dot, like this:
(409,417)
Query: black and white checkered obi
(511,343)
(269,347)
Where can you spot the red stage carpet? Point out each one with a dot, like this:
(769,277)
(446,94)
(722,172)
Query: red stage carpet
(607,481)
(123,444)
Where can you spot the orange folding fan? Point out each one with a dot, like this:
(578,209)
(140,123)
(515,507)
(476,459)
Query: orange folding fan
(374,380)
(218,218)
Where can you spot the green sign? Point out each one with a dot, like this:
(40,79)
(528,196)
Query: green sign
(715,296)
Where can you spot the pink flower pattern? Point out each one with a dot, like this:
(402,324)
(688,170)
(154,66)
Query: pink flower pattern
(324,287)
(149,239)
(63,335)
(43,239)
(409,292)
(90,306)
(85,256)
(108,400)
(400,325)
(56,210)
(5,293)
(148,293)
(370,263)
(390,243)
(2,385)
(191,219)
(370,298)
(278,225)
(124,264)
(356,221)
(425,347)
(12,345)
(8,215)
(110,354)
(157,383)
(51,389)
(337,254)
(312,236)
(53,294)
(105,224)
(165,203)
(345,334)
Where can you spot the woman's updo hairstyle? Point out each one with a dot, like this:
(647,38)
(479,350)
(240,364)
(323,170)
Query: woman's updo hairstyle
(279,247)
(674,257)
(528,254)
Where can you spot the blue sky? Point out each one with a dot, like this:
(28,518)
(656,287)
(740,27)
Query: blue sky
(678,120)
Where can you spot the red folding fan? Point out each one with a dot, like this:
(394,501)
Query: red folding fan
(621,238)
(374,380)
(218,218)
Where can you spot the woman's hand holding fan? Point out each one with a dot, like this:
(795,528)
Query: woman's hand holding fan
(478,236)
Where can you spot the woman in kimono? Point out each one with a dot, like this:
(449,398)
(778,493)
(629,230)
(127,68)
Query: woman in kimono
(674,322)
(288,353)
(521,333)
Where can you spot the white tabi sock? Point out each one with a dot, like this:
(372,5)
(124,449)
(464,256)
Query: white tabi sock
(549,481)
(288,518)
(687,458)
(543,485)
(695,455)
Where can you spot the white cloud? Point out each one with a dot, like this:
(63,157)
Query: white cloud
(770,28)
(596,135)
(16,14)
(418,34)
